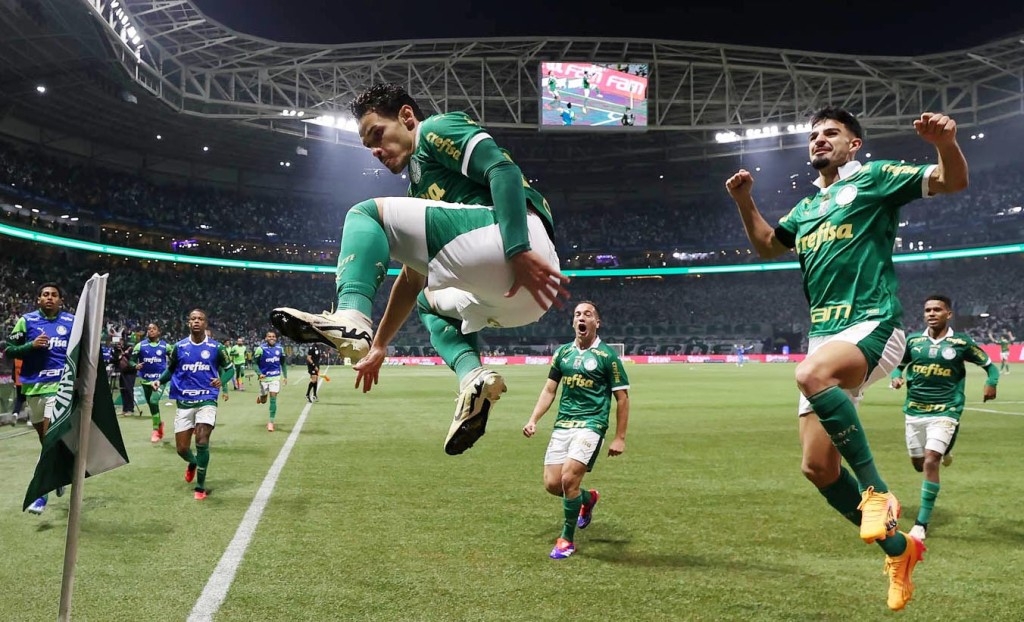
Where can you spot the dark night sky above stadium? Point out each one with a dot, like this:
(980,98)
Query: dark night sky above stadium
(840,26)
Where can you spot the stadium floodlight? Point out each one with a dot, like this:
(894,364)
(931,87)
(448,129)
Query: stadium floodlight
(41,89)
(347,124)
(765,131)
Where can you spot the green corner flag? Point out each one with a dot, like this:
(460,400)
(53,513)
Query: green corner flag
(83,398)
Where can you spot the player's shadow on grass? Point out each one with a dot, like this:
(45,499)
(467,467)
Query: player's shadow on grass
(975,528)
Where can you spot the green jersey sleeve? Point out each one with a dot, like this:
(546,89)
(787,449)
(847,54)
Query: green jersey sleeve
(555,372)
(223,358)
(18,343)
(459,144)
(899,183)
(786,230)
(451,139)
(979,357)
(617,377)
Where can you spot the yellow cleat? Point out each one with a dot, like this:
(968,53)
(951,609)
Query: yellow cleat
(879,514)
(899,569)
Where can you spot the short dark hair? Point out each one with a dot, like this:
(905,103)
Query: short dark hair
(597,311)
(386,99)
(839,114)
(943,299)
(39,290)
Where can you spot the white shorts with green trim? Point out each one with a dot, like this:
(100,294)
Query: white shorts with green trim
(882,343)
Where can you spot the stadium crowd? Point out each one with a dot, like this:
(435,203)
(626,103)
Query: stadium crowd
(698,313)
(125,209)
(701,312)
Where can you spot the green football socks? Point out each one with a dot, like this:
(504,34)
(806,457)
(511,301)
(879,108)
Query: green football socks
(188,456)
(929,493)
(894,545)
(457,350)
(202,462)
(571,508)
(363,258)
(844,495)
(838,415)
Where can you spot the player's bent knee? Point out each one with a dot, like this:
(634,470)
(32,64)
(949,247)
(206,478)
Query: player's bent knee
(369,207)
(821,473)
(813,378)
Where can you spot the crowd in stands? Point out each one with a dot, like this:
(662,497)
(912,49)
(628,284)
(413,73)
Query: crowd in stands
(43,191)
(126,209)
(653,315)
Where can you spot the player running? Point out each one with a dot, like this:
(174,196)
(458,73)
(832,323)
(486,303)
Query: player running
(273,371)
(149,357)
(935,360)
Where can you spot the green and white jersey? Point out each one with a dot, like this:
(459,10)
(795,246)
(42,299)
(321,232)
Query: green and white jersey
(1004,345)
(936,373)
(843,237)
(588,378)
(445,165)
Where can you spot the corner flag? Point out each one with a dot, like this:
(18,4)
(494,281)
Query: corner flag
(83,399)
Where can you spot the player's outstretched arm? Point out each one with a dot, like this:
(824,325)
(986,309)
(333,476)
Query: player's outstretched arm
(951,173)
(544,401)
(400,304)
(618,444)
(761,234)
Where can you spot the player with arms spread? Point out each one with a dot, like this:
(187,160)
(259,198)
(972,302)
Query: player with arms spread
(474,239)
(843,236)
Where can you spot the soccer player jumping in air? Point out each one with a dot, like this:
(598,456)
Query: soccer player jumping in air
(472,228)
(843,235)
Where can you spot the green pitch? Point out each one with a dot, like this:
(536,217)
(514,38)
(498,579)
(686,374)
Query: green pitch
(705,517)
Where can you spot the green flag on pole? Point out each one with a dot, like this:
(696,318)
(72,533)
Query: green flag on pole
(83,399)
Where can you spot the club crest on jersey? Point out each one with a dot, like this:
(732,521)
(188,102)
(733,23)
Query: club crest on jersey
(159,352)
(846,195)
(590,364)
(949,354)
(415,173)
(205,354)
(61,330)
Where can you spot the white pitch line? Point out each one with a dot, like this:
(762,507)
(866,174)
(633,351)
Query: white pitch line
(996,412)
(223,576)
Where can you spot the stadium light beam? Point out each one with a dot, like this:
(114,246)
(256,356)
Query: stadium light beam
(124,251)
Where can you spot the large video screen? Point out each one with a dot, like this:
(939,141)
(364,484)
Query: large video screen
(593,96)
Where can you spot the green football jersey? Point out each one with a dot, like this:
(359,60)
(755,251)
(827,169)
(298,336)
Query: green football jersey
(237,353)
(445,166)
(843,237)
(1004,345)
(588,378)
(936,373)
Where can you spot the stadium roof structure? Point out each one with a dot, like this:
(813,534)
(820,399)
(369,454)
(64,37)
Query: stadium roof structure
(209,74)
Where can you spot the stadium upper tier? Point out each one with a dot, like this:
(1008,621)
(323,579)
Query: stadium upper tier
(40,190)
